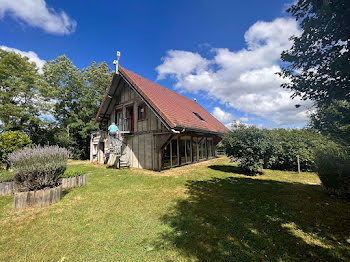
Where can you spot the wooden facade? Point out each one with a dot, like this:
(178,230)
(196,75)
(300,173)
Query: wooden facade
(147,142)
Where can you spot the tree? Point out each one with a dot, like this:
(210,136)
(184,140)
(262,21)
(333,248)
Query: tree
(253,148)
(318,63)
(11,141)
(333,120)
(78,94)
(21,88)
(296,142)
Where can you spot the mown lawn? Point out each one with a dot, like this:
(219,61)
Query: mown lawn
(5,175)
(203,212)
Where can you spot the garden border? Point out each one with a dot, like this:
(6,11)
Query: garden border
(71,182)
(37,198)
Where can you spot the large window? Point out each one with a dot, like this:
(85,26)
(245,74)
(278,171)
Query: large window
(195,149)
(202,148)
(167,156)
(188,151)
(119,118)
(141,112)
(174,153)
(185,150)
(170,154)
(182,147)
(210,148)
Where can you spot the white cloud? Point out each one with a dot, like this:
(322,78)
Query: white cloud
(37,14)
(245,79)
(33,57)
(181,63)
(222,116)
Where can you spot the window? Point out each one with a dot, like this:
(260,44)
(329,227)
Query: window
(94,149)
(185,150)
(119,118)
(197,115)
(174,153)
(170,154)
(195,149)
(202,149)
(210,148)
(167,156)
(141,112)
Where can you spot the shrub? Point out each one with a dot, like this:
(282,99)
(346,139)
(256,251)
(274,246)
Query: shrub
(11,141)
(72,173)
(39,167)
(253,148)
(333,168)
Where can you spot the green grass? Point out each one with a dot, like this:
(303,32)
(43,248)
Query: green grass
(5,176)
(203,212)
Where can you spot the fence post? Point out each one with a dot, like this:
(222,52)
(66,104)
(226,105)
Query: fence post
(298,164)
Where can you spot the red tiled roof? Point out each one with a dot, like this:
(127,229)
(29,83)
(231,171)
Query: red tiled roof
(176,110)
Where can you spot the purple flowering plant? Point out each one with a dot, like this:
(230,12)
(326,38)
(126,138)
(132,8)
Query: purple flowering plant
(39,167)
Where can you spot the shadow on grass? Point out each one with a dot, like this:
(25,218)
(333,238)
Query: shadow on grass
(227,169)
(242,219)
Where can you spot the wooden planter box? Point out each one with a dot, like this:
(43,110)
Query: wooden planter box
(71,182)
(38,198)
(7,188)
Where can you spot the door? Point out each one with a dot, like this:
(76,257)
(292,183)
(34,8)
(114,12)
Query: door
(131,118)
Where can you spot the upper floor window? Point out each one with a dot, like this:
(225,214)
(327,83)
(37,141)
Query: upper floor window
(197,115)
(141,112)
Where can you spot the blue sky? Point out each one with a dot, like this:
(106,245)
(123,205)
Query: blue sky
(224,53)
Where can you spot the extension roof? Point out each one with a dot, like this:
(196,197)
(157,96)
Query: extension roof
(176,111)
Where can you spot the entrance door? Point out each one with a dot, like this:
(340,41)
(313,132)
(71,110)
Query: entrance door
(130,117)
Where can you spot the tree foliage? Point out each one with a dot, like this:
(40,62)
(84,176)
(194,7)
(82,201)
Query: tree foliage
(318,63)
(57,106)
(253,148)
(277,149)
(11,141)
(293,143)
(21,86)
(78,94)
(333,168)
(333,120)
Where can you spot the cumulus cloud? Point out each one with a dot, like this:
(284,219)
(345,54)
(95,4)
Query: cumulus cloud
(33,57)
(245,79)
(37,14)
(222,116)
(181,63)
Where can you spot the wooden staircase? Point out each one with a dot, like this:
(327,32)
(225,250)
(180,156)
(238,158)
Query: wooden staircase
(119,154)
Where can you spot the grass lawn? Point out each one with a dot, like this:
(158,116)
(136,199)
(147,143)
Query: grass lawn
(203,212)
(5,176)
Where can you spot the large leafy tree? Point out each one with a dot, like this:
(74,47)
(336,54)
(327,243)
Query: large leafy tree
(77,95)
(334,120)
(21,88)
(318,63)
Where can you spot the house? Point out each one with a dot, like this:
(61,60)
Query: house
(159,127)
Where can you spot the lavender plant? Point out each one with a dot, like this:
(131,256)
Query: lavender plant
(39,167)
